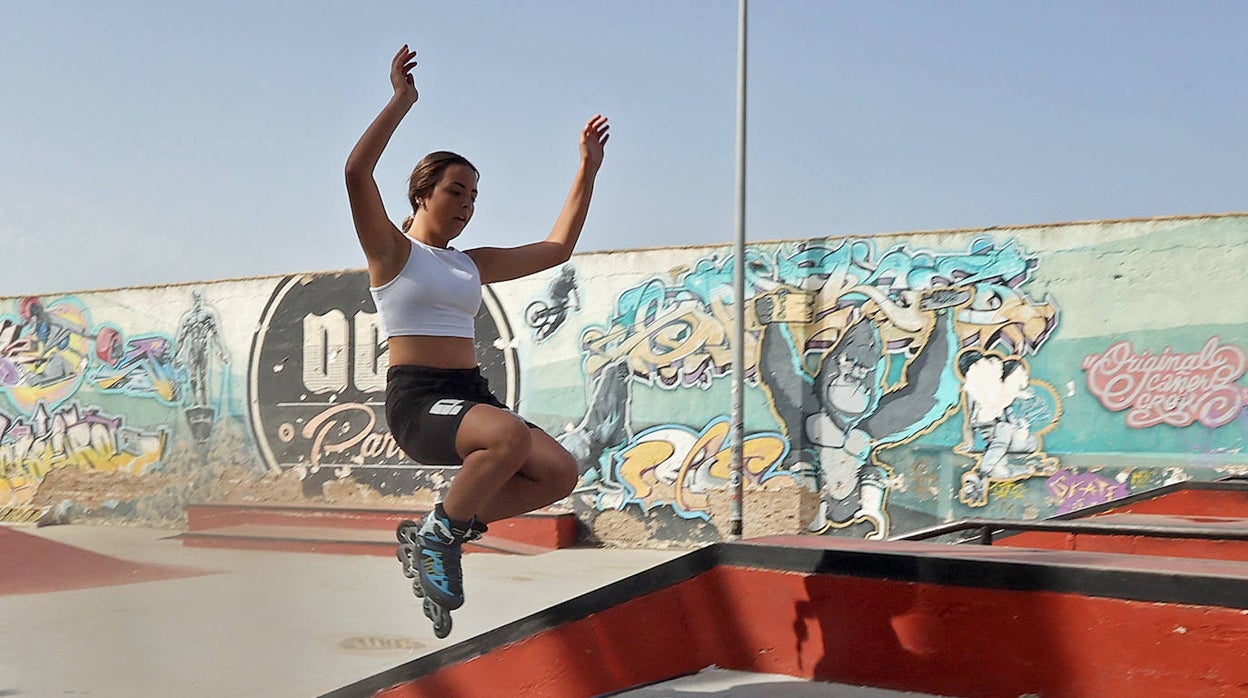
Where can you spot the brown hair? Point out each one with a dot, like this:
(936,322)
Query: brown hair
(426,175)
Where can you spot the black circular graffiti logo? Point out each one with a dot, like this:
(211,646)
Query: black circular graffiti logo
(318,377)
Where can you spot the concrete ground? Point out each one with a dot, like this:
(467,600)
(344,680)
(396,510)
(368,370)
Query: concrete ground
(226,623)
(256,623)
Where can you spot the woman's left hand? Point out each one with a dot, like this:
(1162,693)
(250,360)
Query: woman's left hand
(593,137)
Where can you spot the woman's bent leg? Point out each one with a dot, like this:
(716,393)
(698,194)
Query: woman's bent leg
(508,468)
(548,475)
(494,444)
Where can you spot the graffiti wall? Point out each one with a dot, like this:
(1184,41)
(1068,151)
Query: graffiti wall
(890,382)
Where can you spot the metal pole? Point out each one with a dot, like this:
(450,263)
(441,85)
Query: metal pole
(737,480)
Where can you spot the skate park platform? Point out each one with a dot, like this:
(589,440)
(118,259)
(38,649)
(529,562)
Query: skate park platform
(122,611)
(356,530)
(1058,608)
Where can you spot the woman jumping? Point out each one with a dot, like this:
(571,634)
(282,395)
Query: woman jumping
(438,405)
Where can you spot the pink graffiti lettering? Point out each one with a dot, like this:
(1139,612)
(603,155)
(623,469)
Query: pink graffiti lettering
(1170,388)
(333,432)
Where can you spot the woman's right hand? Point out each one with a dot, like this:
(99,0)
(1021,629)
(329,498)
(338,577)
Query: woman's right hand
(401,76)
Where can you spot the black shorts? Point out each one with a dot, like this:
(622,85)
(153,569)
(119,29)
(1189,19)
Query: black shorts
(425,405)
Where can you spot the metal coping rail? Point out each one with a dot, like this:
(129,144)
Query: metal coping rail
(987,528)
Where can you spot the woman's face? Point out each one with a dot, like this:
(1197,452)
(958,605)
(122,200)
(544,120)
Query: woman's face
(453,200)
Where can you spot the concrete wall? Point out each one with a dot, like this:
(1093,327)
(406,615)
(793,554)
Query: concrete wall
(892,382)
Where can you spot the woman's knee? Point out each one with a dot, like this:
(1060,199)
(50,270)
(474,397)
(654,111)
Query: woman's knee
(559,468)
(511,440)
(498,431)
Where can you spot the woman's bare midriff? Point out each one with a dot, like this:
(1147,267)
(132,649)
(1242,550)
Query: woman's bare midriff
(437,352)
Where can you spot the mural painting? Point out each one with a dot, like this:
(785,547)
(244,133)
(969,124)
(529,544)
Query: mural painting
(1006,413)
(61,378)
(1170,388)
(855,352)
(890,383)
(545,315)
(200,355)
(317,386)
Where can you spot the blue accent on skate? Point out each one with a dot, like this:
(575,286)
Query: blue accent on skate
(439,573)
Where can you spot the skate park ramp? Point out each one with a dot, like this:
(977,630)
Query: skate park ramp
(32,565)
(862,618)
(1191,519)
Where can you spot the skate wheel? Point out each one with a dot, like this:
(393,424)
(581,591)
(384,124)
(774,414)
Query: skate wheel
(404,553)
(417,589)
(441,618)
(405,532)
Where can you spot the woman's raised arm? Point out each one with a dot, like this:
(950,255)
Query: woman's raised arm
(503,264)
(378,234)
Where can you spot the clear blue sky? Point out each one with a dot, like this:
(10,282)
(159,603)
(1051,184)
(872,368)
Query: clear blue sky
(155,141)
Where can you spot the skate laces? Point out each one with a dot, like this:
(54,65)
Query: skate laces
(472,531)
(436,528)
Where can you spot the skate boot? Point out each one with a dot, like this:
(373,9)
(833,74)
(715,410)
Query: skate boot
(431,555)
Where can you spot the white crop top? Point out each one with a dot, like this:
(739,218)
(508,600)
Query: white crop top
(438,293)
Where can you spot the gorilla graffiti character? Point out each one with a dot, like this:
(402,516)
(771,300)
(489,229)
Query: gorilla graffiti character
(840,417)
